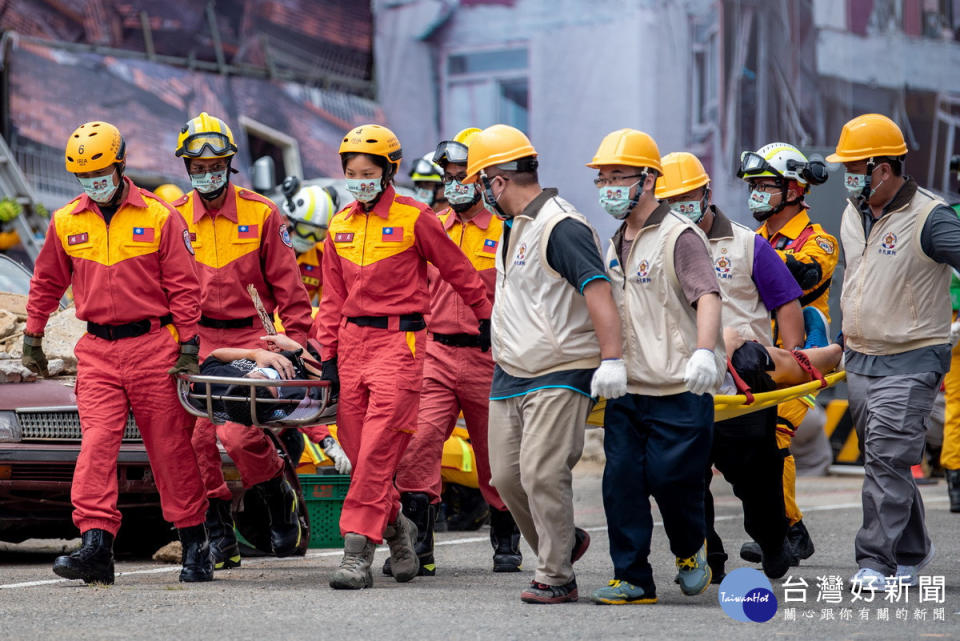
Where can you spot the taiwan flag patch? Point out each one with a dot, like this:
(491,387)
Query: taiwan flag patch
(143,234)
(490,246)
(78,239)
(308,268)
(392,234)
(247,231)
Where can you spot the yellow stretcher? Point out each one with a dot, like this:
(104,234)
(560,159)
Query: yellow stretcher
(725,407)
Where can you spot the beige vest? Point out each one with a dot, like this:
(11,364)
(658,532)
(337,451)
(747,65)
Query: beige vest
(895,297)
(743,309)
(540,322)
(659,326)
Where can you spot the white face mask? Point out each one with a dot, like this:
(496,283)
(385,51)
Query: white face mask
(692,209)
(425,195)
(208,182)
(100,189)
(364,189)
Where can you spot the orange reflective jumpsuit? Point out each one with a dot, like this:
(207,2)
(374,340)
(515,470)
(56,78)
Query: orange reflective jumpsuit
(809,243)
(137,268)
(310,271)
(374,285)
(456,374)
(244,242)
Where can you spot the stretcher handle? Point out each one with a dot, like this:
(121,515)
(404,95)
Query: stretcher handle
(184,393)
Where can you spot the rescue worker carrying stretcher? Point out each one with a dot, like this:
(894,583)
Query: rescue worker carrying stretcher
(457,371)
(240,238)
(129,258)
(755,285)
(372,331)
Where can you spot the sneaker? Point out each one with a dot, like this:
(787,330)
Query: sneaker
(800,542)
(620,592)
(694,573)
(543,593)
(816,327)
(909,573)
(868,579)
(581,542)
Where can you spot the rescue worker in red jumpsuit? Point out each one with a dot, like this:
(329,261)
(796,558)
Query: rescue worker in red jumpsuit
(128,256)
(456,373)
(240,238)
(372,330)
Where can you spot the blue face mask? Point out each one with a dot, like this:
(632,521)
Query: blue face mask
(615,199)
(692,209)
(425,195)
(759,201)
(457,193)
(364,189)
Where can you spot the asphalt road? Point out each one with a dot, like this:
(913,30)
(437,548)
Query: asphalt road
(289,598)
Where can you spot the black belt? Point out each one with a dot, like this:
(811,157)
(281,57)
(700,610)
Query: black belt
(458,340)
(127,330)
(408,322)
(223,323)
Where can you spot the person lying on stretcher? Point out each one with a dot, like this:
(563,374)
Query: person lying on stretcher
(281,358)
(762,368)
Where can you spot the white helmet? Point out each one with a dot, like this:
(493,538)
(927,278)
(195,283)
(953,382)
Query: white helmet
(311,205)
(776,160)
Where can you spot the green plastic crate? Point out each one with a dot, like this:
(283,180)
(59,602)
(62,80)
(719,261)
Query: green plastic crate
(324,494)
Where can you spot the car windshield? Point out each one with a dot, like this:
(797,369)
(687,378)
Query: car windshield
(14,277)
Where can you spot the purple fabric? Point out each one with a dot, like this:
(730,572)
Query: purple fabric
(771,276)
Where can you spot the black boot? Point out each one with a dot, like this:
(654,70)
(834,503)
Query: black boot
(196,559)
(777,560)
(281,503)
(223,540)
(505,539)
(717,562)
(416,506)
(93,562)
(953,489)
(800,542)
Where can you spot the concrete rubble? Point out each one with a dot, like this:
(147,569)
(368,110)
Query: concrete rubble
(60,337)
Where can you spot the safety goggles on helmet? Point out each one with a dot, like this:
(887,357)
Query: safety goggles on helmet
(753,164)
(215,144)
(450,151)
(310,232)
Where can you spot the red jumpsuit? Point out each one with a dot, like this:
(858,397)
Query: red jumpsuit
(244,242)
(375,265)
(455,378)
(137,268)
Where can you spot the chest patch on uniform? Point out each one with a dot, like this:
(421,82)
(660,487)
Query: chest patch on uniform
(391,234)
(285,235)
(343,237)
(723,268)
(143,234)
(643,272)
(247,231)
(78,239)
(825,244)
(188,241)
(521,257)
(889,244)
(307,268)
(490,246)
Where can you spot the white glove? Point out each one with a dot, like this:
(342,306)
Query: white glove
(701,375)
(610,379)
(340,461)
(955,333)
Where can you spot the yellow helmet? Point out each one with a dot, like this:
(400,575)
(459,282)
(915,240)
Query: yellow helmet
(94,146)
(497,145)
(464,136)
(375,140)
(682,173)
(627,147)
(168,192)
(869,136)
(205,137)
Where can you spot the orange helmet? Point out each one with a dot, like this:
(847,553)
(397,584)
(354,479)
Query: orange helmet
(375,140)
(496,145)
(869,136)
(168,192)
(682,173)
(94,146)
(627,147)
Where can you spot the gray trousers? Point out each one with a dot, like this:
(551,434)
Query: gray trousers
(889,413)
(535,440)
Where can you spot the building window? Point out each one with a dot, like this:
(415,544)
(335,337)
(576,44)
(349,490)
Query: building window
(482,88)
(267,141)
(705,92)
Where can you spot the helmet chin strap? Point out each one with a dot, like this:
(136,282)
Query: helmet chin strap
(491,197)
(636,199)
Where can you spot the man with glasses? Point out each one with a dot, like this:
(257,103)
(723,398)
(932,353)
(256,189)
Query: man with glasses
(779,176)
(239,238)
(457,371)
(556,344)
